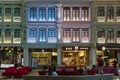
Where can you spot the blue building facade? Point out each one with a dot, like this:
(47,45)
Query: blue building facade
(58,32)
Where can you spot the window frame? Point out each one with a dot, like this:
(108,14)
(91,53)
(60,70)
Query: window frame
(17,33)
(51,32)
(42,35)
(33,14)
(51,14)
(42,14)
(32,32)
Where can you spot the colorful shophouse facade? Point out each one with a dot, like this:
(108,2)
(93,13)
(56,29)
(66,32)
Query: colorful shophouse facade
(11,32)
(58,32)
(106,23)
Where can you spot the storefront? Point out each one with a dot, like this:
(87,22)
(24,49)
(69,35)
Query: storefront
(75,56)
(42,57)
(11,56)
(109,54)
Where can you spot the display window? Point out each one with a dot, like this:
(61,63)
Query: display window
(10,58)
(107,55)
(72,58)
(41,58)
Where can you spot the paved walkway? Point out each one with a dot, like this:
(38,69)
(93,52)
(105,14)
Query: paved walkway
(35,72)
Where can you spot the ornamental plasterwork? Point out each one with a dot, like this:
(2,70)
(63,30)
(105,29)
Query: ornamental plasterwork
(74,25)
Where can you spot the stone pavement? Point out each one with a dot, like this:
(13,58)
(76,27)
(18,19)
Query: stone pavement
(35,72)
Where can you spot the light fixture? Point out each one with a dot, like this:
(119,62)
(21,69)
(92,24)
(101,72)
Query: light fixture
(76,47)
(9,51)
(54,54)
(42,50)
(103,48)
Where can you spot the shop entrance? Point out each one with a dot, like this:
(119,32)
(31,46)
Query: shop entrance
(41,58)
(74,57)
(108,55)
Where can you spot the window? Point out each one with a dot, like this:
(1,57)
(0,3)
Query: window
(66,14)
(33,33)
(17,33)
(51,14)
(7,15)
(101,33)
(85,13)
(51,32)
(0,12)
(76,35)
(110,13)
(42,14)
(8,33)
(118,11)
(101,12)
(101,36)
(66,33)
(85,33)
(110,36)
(42,35)
(33,14)
(76,15)
(17,14)
(118,34)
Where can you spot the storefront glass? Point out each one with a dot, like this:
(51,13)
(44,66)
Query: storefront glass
(75,58)
(108,55)
(10,58)
(41,58)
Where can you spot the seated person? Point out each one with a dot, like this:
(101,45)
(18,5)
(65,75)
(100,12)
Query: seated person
(52,72)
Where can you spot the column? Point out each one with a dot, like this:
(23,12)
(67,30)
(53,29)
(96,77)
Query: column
(92,58)
(71,14)
(80,14)
(47,14)
(26,57)
(47,33)
(59,57)
(28,13)
(89,15)
(114,13)
(59,13)
(118,56)
(106,35)
(59,32)
(37,19)
(62,16)
(105,13)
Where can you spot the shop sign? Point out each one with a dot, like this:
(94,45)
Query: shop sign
(6,65)
(40,54)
